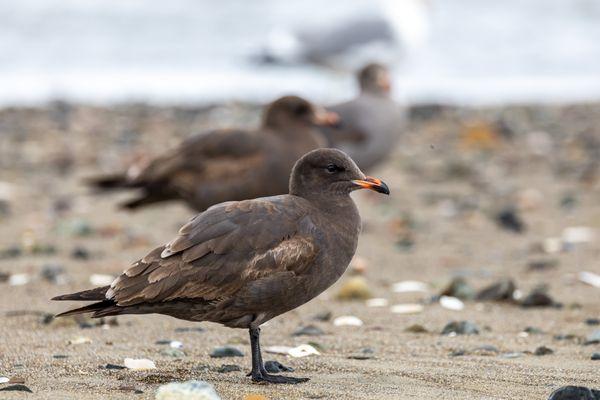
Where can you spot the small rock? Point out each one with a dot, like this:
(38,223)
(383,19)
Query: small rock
(595,356)
(355,288)
(592,321)
(533,330)
(131,389)
(416,328)
(80,253)
(457,353)
(364,354)
(4,379)
(486,349)
(190,390)
(18,279)
(575,393)
(590,278)
(537,298)
(511,355)
(359,265)
(59,356)
(300,351)
(275,367)
(226,351)
(459,288)
(80,340)
(574,235)
(141,364)
(176,344)
(309,330)
(323,316)
(54,273)
(10,252)
(410,286)
(510,220)
(410,308)
(172,352)
(542,264)
(347,320)
(377,302)
(502,290)
(451,303)
(593,338)
(543,350)
(114,366)
(460,328)
(226,368)
(16,388)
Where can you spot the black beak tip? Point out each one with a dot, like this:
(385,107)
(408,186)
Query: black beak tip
(383,188)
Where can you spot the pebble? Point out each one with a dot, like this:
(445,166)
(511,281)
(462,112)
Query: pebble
(460,328)
(309,330)
(416,328)
(363,354)
(172,352)
(359,265)
(511,355)
(226,351)
(595,356)
(18,279)
(543,350)
(542,264)
(4,379)
(593,338)
(592,321)
(59,356)
(101,279)
(190,390)
(275,367)
(303,350)
(10,252)
(575,393)
(347,320)
(114,366)
(458,287)
(552,245)
(590,278)
(323,316)
(537,298)
(141,364)
(410,286)
(377,302)
(80,253)
(452,303)
(226,368)
(80,340)
(574,235)
(407,308)
(176,344)
(502,290)
(355,288)
(54,273)
(510,220)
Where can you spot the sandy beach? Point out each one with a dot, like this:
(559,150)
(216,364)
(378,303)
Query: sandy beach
(455,171)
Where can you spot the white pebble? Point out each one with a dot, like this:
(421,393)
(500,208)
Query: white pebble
(347,320)
(101,279)
(407,308)
(590,278)
(451,303)
(190,390)
(303,350)
(377,302)
(277,349)
(18,279)
(578,234)
(80,340)
(552,245)
(410,286)
(176,344)
(4,379)
(139,364)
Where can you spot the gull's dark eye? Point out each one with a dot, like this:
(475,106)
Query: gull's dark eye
(332,168)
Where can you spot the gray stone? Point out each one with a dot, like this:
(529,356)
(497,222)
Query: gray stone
(543,350)
(460,328)
(501,290)
(593,338)
(226,351)
(226,368)
(275,367)
(575,393)
(309,330)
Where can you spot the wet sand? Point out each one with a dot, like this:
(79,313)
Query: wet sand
(449,175)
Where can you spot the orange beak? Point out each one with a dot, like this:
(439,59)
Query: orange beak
(372,184)
(326,118)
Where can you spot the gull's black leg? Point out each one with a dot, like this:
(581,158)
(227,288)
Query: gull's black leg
(259,374)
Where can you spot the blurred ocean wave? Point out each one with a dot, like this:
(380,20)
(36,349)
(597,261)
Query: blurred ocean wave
(465,51)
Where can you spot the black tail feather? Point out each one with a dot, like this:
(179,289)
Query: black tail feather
(86,295)
(95,308)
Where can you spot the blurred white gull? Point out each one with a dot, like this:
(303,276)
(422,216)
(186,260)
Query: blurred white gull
(385,31)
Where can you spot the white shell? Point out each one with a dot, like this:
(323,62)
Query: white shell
(377,302)
(407,308)
(347,320)
(139,364)
(590,278)
(410,286)
(451,303)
